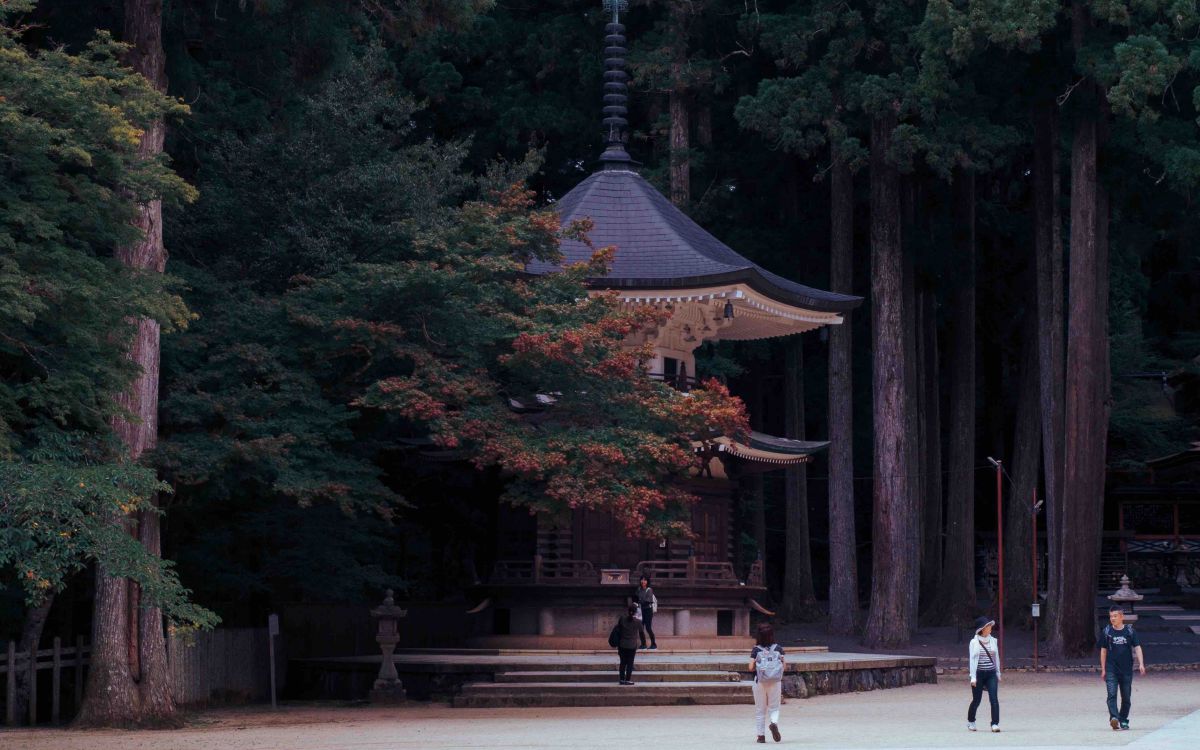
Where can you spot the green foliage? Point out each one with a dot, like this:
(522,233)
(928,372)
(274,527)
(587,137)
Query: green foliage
(69,127)
(69,180)
(61,509)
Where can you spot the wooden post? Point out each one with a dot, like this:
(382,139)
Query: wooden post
(537,568)
(10,696)
(78,672)
(56,681)
(691,569)
(33,684)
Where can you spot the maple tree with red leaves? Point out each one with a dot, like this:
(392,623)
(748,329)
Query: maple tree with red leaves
(528,374)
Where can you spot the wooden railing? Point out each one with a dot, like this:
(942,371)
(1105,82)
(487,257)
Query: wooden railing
(539,570)
(31,662)
(690,572)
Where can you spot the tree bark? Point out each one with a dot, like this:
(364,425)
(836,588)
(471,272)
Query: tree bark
(1026,460)
(681,175)
(31,635)
(128,679)
(843,545)
(891,620)
(1087,378)
(1047,236)
(799,600)
(912,429)
(956,601)
(931,442)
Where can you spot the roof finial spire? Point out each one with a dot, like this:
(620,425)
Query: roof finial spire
(615,88)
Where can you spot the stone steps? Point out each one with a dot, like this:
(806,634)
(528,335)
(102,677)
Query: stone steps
(610,676)
(587,693)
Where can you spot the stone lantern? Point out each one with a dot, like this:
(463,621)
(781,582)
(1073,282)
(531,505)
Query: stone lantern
(387,687)
(1126,595)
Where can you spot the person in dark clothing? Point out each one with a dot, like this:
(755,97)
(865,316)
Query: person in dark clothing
(630,633)
(1118,645)
(649,605)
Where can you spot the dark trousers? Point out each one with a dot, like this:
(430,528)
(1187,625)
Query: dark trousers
(1114,681)
(647,621)
(985,681)
(626,670)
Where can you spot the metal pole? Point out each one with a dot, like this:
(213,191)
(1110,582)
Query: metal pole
(1000,550)
(1036,598)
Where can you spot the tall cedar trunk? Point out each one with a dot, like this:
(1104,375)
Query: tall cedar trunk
(1086,391)
(128,679)
(1026,460)
(799,600)
(931,452)
(956,601)
(31,636)
(843,545)
(912,426)
(1047,236)
(891,620)
(681,176)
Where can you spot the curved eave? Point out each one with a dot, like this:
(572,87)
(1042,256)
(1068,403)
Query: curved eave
(766,449)
(752,277)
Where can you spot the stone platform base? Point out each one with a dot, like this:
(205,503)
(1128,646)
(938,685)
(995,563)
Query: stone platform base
(600,642)
(495,678)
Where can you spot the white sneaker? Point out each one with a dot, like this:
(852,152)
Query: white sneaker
(970,726)
(995,727)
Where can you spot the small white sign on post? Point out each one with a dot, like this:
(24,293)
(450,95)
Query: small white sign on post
(272,631)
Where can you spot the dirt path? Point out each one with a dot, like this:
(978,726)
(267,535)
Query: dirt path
(1042,711)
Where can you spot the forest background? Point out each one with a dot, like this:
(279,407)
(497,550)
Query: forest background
(949,155)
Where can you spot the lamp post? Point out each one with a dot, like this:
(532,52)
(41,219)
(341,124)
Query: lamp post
(1000,556)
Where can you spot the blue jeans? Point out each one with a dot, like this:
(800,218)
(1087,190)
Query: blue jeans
(1113,681)
(985,681)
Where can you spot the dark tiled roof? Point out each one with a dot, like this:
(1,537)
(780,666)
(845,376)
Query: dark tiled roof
(765,442)
(658,246)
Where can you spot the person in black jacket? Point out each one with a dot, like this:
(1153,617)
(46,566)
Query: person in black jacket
(630,632)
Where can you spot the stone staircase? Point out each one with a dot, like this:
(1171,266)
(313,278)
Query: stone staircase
(655,685)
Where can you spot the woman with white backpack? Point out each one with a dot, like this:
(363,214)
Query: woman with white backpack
(766,662)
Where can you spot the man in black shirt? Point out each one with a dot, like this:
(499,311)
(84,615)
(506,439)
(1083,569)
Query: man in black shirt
(1118,645)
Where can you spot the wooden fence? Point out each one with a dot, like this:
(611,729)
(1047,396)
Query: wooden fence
(227,665)
(56,660)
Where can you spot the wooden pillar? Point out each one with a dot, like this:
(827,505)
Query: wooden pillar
(78,671)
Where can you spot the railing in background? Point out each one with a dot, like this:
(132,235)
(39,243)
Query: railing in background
(54,659)
(226,665)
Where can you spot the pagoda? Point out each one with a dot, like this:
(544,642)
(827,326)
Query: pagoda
(568,592)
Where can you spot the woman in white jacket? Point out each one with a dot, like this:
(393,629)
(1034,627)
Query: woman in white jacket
(985,672)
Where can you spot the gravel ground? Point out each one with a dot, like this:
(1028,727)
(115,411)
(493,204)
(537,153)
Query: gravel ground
(1038,711)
